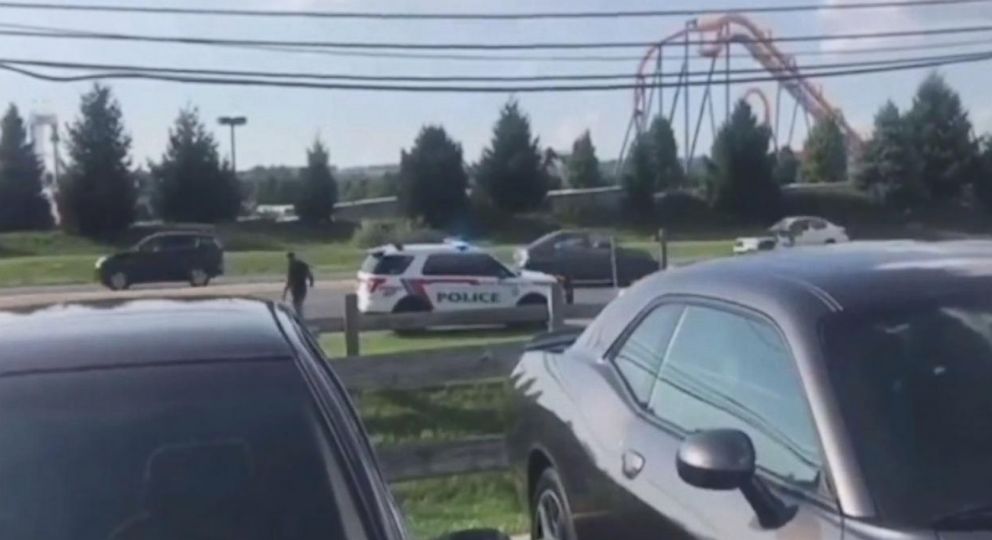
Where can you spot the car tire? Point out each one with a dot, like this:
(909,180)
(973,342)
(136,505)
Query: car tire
(199,277)
(411,304)
(118,281)
(830,241)
(550,514)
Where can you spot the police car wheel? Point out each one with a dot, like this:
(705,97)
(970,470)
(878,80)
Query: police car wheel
(411,304)
(533,300)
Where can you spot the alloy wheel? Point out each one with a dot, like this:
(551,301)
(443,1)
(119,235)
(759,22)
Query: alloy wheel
(198,278)
(118,281)
(550,517)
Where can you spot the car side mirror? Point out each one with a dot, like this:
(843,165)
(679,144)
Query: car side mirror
(724,460)
(476,534)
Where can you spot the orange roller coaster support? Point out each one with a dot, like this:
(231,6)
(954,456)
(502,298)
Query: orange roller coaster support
(719,33)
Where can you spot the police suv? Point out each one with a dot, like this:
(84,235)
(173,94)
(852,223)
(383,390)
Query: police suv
(450,276)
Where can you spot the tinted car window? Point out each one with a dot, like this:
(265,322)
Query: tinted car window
(387,265)
(914,383)
(464,264)
(177,242)
(818,224)
(724,370)
(196,451)
(640,355)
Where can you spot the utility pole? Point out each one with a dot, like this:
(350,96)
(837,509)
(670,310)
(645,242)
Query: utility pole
(234,122)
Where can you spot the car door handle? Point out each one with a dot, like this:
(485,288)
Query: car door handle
(633,464)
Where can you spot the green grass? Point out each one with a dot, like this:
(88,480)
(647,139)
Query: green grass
(439,414)
(442,505)
(438,505)
(253,249)
(388,342)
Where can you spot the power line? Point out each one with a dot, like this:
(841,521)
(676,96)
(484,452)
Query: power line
(189,40)
(518,57)
(606,58)
(459,78)
(258,82)
(413,16)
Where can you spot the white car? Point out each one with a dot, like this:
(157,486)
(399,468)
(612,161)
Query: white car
(794,231)
(451,276)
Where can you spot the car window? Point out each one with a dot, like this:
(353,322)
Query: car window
(640,355)
(600,241)
(150,245)
(225,450)
(817,224)
(177,242)
(386,265)
(572,241)
(799,226)
(913,383)
(464,264)
(724,370)
(207,242)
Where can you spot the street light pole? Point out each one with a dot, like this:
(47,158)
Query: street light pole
(234,122)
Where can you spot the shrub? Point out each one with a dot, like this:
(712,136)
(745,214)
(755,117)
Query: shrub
(377,232)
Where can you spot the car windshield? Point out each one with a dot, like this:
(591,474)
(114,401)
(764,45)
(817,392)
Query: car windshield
(198,451)
(915,384)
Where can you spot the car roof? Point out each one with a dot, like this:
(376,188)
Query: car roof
(854,274)
(424,249)
(168,234)
(809,282)
(138,332)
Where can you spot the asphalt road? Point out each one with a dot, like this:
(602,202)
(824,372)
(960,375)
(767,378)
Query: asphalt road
(326,300)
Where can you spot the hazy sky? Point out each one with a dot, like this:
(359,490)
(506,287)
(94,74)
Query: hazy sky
(371,128)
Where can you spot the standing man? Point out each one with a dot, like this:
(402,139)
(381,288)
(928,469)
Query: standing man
(299,280)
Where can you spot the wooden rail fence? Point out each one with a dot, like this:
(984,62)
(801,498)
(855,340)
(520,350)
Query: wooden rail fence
(434,368)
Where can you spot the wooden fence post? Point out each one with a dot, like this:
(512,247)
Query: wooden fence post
(663,241)
(351,325)
(556,308)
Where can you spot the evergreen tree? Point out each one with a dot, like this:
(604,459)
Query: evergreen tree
(825,153)
(786,167)
(890,167)
(741,171)
(983,177)
(23,205)
(512,170)
(97,194)
(639,180)
(432,180)
(191,182)
(318,189)
(669,172)
(942,138)
(583,165)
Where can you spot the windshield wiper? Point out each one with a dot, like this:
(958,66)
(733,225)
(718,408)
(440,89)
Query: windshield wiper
(969,518)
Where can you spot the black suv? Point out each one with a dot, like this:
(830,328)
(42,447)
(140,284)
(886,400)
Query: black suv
(196,257)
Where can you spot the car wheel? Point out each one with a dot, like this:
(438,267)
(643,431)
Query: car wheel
(118,281)
(550,515)
(830,241)
(411,304)
(199,277)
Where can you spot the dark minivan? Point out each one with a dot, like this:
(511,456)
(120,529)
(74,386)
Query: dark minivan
(214,419)
(840,392)
(195,257)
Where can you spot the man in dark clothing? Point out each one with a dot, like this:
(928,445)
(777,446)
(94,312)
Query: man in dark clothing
(299,280)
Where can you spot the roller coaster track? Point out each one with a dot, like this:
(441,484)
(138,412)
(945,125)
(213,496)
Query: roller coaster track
(718,34)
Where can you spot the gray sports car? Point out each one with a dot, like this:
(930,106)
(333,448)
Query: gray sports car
(585,258)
